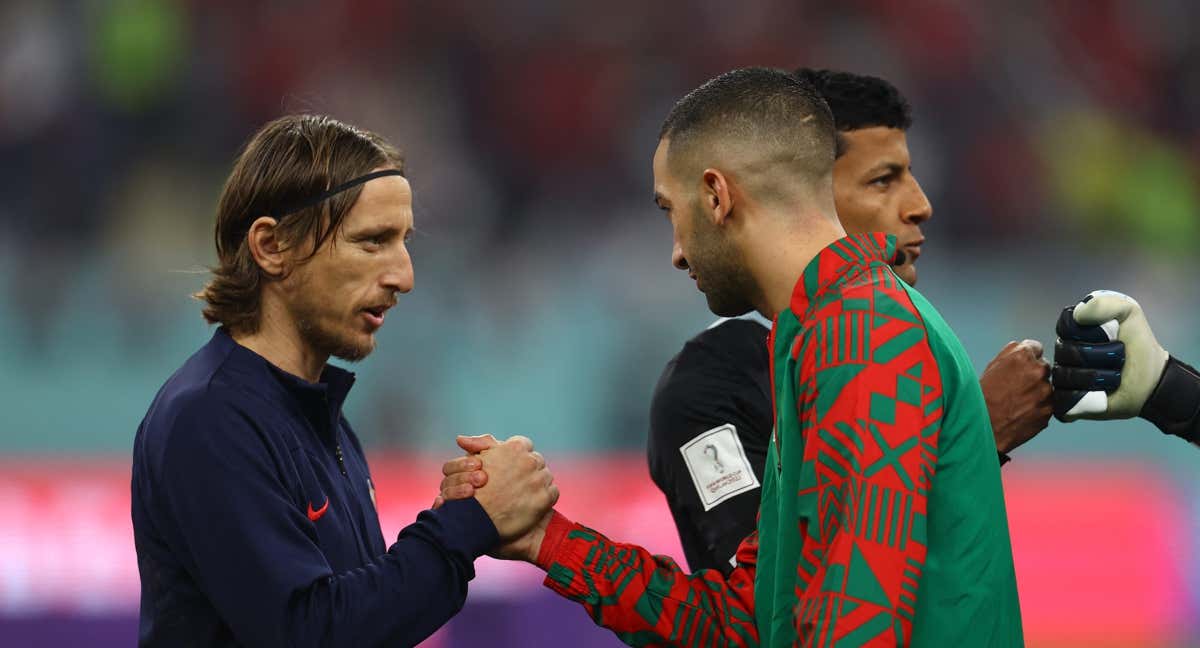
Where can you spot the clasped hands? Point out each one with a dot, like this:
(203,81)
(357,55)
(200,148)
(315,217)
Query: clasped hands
(511,482)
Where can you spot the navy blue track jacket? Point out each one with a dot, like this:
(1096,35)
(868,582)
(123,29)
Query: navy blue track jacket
(255,524)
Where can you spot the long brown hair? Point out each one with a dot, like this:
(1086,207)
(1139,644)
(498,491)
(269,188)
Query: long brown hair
(288,161)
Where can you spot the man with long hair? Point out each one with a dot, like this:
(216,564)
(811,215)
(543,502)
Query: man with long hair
(253,506)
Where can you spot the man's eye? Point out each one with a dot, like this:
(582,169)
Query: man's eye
(882,181)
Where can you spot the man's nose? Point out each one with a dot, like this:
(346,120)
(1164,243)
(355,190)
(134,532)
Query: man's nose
(399,277)
(677,258)
(917,208)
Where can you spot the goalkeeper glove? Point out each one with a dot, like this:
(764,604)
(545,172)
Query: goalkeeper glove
(1108,365)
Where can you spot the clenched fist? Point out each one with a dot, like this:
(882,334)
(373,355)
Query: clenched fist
(1108,365)
(1016,386)
(1106,360)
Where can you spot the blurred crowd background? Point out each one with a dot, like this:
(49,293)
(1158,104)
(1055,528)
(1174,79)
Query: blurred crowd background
(1059,143)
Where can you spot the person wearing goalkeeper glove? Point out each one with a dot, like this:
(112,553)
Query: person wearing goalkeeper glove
(1108,365)
(882,517)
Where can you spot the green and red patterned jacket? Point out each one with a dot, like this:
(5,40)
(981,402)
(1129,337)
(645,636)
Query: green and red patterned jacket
(882,520)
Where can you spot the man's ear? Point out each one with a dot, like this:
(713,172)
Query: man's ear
(268,252)
(715,196)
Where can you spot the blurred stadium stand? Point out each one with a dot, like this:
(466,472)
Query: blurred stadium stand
(1059,143)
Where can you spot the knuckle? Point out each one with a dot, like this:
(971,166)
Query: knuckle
(521,442)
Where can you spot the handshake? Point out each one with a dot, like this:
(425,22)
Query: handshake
(510,481)
(1108,365)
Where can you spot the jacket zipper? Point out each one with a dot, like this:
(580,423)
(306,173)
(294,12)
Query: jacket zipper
(341,459)
(774,411)
(337,446)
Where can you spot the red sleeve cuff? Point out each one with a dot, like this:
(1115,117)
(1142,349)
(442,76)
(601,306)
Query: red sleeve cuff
(555,532)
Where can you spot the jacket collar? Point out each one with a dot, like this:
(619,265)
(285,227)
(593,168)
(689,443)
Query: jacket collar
(320,402)
(831,266)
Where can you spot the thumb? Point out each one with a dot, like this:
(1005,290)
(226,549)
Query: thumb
(1123,320)
(476,444)
(1101,306)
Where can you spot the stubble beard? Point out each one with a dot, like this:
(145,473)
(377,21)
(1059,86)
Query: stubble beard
(317,333)
(728,286)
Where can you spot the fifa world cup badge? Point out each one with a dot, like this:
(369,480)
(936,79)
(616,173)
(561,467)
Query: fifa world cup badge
(717,462)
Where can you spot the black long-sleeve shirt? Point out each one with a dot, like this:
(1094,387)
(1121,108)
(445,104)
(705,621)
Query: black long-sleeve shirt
(255,524)
(710,427)
(1174,405)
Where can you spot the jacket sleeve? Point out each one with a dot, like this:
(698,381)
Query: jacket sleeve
(254,552)
(1174,405)
(648,600)
(871,442)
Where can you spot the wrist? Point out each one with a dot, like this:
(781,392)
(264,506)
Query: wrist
(1004,445)
(537,537)
(1004,438)
(1174,405)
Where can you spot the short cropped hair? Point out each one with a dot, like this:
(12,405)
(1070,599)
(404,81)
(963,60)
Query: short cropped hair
(768,111)
(287,162)
(858,100)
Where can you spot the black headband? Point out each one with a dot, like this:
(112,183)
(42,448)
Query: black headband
(290,209)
